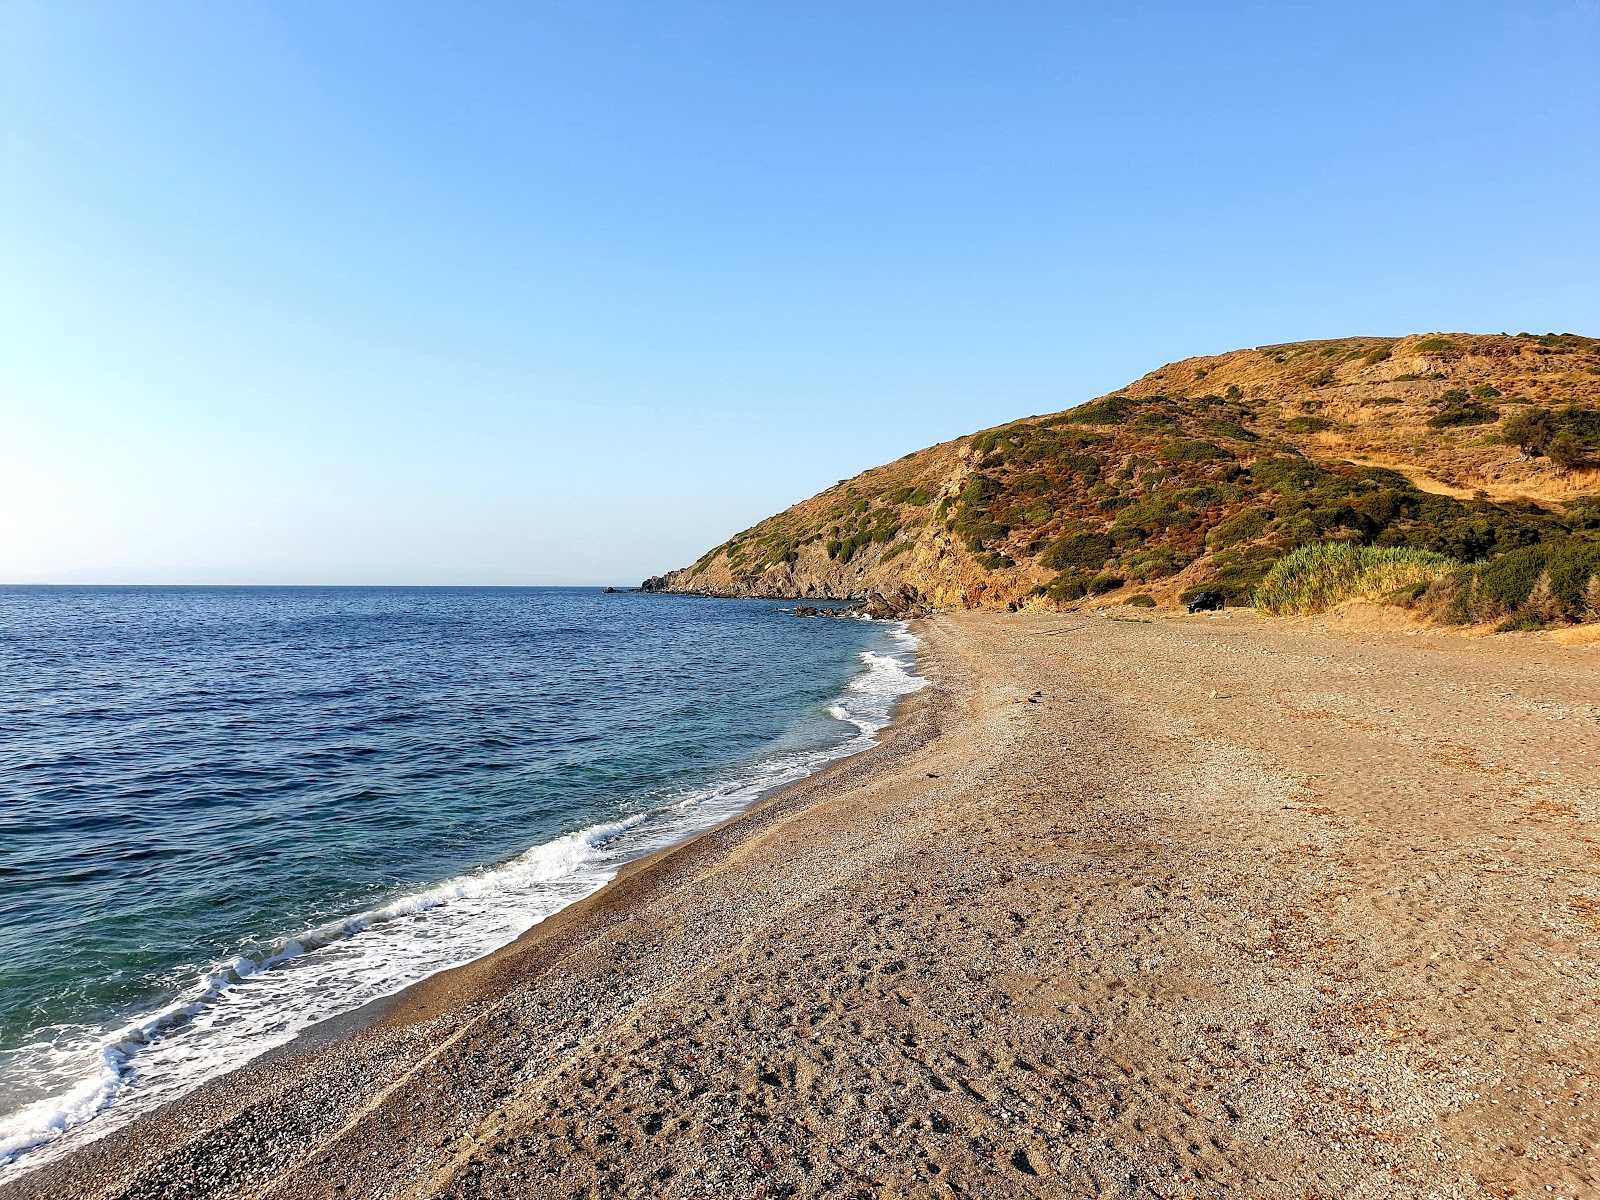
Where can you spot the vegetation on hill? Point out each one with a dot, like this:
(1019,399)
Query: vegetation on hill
(1317,577)
(1444,456)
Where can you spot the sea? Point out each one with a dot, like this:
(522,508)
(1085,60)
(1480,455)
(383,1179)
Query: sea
(227,814)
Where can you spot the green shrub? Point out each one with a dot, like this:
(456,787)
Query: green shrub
(1379,401)
(1508,580)
(1153,564)
(1566,341)
(1078,550)
(1069,585)
(1573,566)
(979,490)
(1463,412)
(1191,450)
(1585,422)
(1435,345)
(1307,424)
(1522,623)
(1381,354)
(1142,601)
(1238,572)
(1322,378)
(1229,429)
(1583,513)
(1565,566)
(1528,429)
(985,443)
(1155,511)
(1291,476)
(1566,449)
(1241,527)
(1101,584)
(917,496)
(1113,410)
(1314,578)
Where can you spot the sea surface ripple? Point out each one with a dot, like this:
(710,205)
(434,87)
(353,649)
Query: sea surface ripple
(229,813)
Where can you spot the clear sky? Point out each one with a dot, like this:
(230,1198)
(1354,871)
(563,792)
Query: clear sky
(389,292)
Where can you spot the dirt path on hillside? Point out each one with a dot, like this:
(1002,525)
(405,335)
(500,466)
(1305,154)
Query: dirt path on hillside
(1188,906)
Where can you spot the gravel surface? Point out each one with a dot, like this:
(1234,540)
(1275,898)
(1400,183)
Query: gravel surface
(1133,906)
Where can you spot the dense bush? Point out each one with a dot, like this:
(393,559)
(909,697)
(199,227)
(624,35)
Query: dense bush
(1153,564)
(1113,410)
(1553,581)
(1566,341)
(1571,431)
(918,496)
(1307,424)
(1229,429)
(1241,527)
(1238,572)
(1566,567)
(1078,550)
(1069,585)
(1155,420)
(1463,411)
(1566,449)
(1191,450)
(1314,578)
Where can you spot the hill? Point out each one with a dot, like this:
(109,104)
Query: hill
(1206,472)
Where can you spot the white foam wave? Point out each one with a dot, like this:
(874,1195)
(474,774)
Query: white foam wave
(90,1080)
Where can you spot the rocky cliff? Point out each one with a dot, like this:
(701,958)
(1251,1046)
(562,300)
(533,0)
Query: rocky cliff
(1202,474)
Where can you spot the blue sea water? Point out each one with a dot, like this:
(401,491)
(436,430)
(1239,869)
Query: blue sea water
(228,813)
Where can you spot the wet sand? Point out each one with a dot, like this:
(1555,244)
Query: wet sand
(1131,906)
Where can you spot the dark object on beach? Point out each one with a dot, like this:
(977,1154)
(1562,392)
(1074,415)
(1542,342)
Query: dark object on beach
(1207,602)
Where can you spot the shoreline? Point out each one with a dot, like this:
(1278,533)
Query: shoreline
(402,1008)
(1129,907)
(345,1025)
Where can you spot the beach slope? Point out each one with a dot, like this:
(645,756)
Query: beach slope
(1122,906)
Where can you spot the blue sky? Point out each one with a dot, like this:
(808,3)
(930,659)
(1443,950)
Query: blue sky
(569,292)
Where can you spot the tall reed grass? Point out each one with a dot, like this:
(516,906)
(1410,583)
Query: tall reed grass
(1314,578)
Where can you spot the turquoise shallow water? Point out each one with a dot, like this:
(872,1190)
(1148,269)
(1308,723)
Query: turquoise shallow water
(226,813)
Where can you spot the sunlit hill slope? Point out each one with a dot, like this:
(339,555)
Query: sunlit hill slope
(1204,473)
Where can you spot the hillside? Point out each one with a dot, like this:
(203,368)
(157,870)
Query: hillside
(1204,473)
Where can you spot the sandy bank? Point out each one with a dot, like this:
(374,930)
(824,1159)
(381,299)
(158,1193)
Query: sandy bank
(1171,907)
